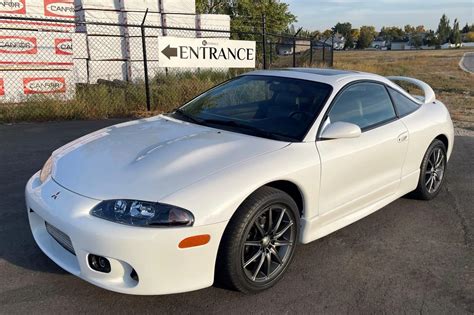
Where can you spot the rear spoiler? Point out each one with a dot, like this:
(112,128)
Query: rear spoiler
(427,90)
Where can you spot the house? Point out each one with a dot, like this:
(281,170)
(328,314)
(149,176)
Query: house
(286,47)
(378,43)
(400,45)
(448,45)
(339,42)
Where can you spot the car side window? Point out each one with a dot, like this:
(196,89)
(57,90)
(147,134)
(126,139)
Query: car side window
(403,104)
(364,104)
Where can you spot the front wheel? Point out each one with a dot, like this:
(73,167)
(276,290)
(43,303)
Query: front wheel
(432,171)
(259,242)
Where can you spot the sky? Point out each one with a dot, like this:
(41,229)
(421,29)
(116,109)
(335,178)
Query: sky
(324,14)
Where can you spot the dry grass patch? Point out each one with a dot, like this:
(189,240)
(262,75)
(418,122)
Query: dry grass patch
(439,68)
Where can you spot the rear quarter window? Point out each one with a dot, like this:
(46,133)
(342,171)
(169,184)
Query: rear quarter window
(403,104)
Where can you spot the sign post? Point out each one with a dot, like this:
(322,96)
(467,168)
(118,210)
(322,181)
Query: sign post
(178,52)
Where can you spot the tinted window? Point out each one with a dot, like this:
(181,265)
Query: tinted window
(402,103)
(363,104)
(267,106)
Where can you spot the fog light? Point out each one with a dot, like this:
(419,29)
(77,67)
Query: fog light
(99,263)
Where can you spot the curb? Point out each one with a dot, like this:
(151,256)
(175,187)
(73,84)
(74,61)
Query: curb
(461,65)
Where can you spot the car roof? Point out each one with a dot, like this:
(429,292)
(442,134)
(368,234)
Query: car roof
(329,76)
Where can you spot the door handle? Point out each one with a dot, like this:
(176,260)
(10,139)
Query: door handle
(403,137)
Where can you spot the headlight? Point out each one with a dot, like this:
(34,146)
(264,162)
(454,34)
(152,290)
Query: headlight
(143,213)
(46,170)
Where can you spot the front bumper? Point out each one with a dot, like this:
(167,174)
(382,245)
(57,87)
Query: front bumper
(162,267)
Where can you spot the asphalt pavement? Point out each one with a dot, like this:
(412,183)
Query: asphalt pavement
(467,62)
(409,257)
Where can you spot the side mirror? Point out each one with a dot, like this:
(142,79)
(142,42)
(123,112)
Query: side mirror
(341,130)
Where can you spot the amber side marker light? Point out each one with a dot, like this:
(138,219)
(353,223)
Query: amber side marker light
(193,241)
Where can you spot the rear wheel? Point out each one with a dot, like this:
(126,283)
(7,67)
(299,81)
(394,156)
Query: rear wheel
(432,171)
(259,242)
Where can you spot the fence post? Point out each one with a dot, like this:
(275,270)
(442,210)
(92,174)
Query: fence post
(271,53)
(324,51)
(294,51)
(145,64)
(264,41)
(332,52)
(294,46)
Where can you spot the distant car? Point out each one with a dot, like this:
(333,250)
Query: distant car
(226,186)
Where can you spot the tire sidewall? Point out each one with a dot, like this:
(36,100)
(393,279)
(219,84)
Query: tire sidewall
(421,185)
(278,198)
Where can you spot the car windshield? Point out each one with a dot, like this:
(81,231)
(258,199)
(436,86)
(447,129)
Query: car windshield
(266,106)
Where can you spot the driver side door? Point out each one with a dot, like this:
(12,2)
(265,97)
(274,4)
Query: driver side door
(357,172)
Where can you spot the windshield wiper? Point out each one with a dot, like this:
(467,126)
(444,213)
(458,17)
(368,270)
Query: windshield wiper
(188,116)
(255,130)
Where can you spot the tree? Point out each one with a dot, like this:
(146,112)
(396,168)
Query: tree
(431,39)
(355,35)
(469,37)
(409,29)
(345,29)
(327,34)
(316,34)
(420,29)
(444,30)
(392,33)
(211,6)
(246,15)
(417,40)
(465,29)
(455,36)
(366,36)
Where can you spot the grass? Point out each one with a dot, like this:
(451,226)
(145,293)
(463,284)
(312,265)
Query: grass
(100,101)
(439,68)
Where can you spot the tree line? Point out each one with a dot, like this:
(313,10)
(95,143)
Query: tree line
(246,18)
(362,37)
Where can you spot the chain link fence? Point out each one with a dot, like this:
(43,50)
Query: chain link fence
(95,67)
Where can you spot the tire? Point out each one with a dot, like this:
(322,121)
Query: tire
(432,171)
(245,249)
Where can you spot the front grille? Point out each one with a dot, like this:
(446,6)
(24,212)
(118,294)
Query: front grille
(60,237)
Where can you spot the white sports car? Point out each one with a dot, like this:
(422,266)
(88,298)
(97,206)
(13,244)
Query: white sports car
(225,187)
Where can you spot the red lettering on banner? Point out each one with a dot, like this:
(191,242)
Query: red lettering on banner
(63,46)
(13,6)
(44,85)
(19,45)
(59,8)
(2,87)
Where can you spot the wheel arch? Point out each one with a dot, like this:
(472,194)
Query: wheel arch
(292,190)
(443,138)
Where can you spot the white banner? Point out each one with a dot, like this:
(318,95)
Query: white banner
(19,86)
(177,52)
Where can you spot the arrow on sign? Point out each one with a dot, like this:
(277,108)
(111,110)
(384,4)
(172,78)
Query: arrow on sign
(170,52)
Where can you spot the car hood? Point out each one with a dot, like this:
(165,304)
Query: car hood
(151,158)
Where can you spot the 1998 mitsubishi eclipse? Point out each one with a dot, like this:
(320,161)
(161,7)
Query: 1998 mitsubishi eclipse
(226,186)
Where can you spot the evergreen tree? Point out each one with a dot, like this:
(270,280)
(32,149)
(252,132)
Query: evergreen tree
(465,29)
(444,30)
(455,36)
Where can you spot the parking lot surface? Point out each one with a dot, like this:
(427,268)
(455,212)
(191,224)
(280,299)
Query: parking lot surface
(409,257)
(467,62)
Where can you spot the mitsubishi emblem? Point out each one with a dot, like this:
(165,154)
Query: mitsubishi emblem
(56,195)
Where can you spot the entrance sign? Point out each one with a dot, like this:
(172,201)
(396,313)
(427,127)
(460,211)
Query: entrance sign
(178,52)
